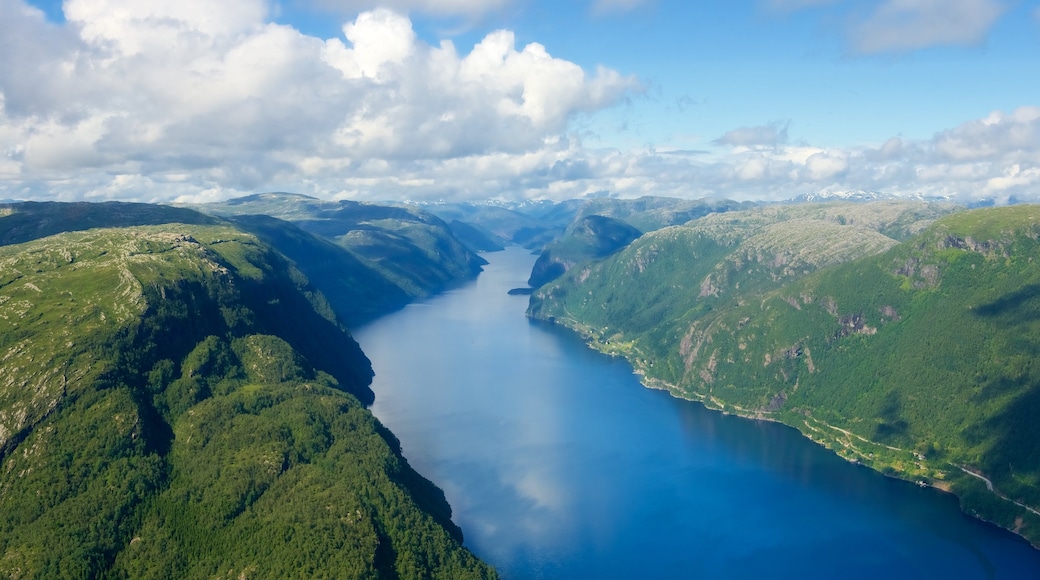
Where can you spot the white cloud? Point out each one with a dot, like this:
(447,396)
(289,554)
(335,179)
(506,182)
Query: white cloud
(906,25)
(827,165)
(997,135)
(161,102)
(434,7)
(185,95)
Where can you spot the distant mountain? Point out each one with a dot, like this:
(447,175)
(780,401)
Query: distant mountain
(653,213)
(475,238)
(178,401)
(603,226)
(530,224)
(860,196)
(590,238)
(413,249)
(357,291)
(901,334)
(34,220)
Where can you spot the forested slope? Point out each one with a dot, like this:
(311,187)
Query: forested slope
(178,401)
(414,251)
(915,357)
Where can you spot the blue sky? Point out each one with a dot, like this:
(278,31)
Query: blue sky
(470,99)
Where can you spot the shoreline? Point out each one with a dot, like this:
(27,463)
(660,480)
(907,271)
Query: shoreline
(720,407)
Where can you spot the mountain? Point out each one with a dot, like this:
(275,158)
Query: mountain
(899,334)
(602,226)
(356,290)
(530,224)
(653,213)
(178,400)
(413,249)
(590,238)
(31,220)
(475,238)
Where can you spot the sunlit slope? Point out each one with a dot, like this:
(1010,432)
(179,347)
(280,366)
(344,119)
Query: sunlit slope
(175,401)
(916,357)
(653,213)
(684,271)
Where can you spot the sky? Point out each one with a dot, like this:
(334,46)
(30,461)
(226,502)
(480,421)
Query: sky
(455,100)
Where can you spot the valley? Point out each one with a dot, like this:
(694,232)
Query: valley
(899,334)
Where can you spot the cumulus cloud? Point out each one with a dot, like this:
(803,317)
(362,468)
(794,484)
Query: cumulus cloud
(170,95)
(906,25)
(995,157)
(174,100)
(996,136)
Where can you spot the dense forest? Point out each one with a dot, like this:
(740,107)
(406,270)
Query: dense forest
(178,400)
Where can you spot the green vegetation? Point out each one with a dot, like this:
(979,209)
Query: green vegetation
(355,290)
(34,220)
(653,213)
(412,251)
(900,338)
(475,238)
(603,226)
(592,237)
(179,401)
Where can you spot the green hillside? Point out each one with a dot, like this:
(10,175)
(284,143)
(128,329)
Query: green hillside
(476,239)
(603,226)
(178,401)
(650,213)
(30,220)
(916,357)
(356,290)
(589,238)
(412,249)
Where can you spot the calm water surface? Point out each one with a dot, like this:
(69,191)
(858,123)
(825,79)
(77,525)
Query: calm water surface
(559,464)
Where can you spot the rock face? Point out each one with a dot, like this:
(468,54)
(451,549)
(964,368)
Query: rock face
(590,238)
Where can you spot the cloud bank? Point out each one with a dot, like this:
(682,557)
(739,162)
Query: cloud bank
(191,100)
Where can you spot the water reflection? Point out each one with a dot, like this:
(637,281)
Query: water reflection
(557,463)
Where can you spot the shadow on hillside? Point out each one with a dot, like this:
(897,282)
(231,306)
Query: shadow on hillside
(1010,437)
(1020,306)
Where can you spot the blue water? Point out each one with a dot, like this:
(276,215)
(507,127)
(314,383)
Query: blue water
(559,464)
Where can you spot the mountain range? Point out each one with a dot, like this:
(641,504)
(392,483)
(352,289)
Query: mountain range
(901,334)
(180,394)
